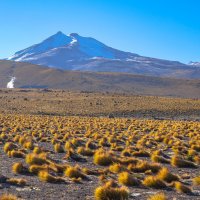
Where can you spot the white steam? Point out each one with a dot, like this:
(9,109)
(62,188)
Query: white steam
(10,84)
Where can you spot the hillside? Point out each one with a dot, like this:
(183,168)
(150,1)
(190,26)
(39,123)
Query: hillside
(34,76)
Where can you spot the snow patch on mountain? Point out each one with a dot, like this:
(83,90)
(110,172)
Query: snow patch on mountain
(195,64)
(75,52)
(57,40)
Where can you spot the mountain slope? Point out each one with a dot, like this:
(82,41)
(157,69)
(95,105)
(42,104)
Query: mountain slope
(195,64)
(34,76)
(74,52)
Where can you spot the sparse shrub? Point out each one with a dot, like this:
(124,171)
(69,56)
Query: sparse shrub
(180,187)
(154,182)
(116,168)
(37,150)
(18,168)
(127,179)
(91,145)
(85,151)
(37,159)
(9,146)
(196,180)
(71,154)
(179,162)
(22,140)
(74,172)
(58,148)
(165,175)
(16,154)
(17,181)
(37,168)
(159,196)
(105,193)
(76,180)
(8,197)
(159,159)
(127,161)
(46,177)
(103,158)
(143,166)
(28,145)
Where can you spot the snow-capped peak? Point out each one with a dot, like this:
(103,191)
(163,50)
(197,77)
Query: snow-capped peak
(86,46)
(60,49)
(57,40)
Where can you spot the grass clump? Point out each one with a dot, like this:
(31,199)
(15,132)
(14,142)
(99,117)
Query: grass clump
(196,180)
(9,146)
(76,180)
(17,181)
(16,154)
(58,148)
(111,193)
(127,179)
(103,158)
(37,159)
(37,150)
(179,162)
(159,196)
(180,187)
(154,182)
(74,172)
(18,168)
(85,151)
(116,168)
(159,159)
(47,177)
(165,175)
(35,169)
(143,166)
(8,197)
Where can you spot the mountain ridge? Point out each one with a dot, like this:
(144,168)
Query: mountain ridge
(75,52)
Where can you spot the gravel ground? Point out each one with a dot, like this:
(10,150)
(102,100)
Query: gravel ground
(38,190)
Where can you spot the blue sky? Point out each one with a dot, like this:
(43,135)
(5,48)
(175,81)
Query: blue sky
(168,29)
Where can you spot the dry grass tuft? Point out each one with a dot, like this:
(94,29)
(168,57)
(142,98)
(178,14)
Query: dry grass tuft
(18,168)
(127,179)
(85,151)
(58,148)
(179,162)
(196,180)
(103,158)
(74,172)
(8,197)
(165,175)
(9,146)
(154,182)
(36,159)
(159,196)
(46,177)
(17,181)
(180,187)
(105,193)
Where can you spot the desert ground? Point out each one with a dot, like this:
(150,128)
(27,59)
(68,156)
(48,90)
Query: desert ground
(84,145)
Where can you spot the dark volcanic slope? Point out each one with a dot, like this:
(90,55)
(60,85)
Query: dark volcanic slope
(33,76)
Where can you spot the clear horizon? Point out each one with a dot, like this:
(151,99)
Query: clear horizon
(167,30)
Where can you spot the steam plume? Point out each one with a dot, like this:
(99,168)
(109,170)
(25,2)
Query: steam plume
(10,84)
